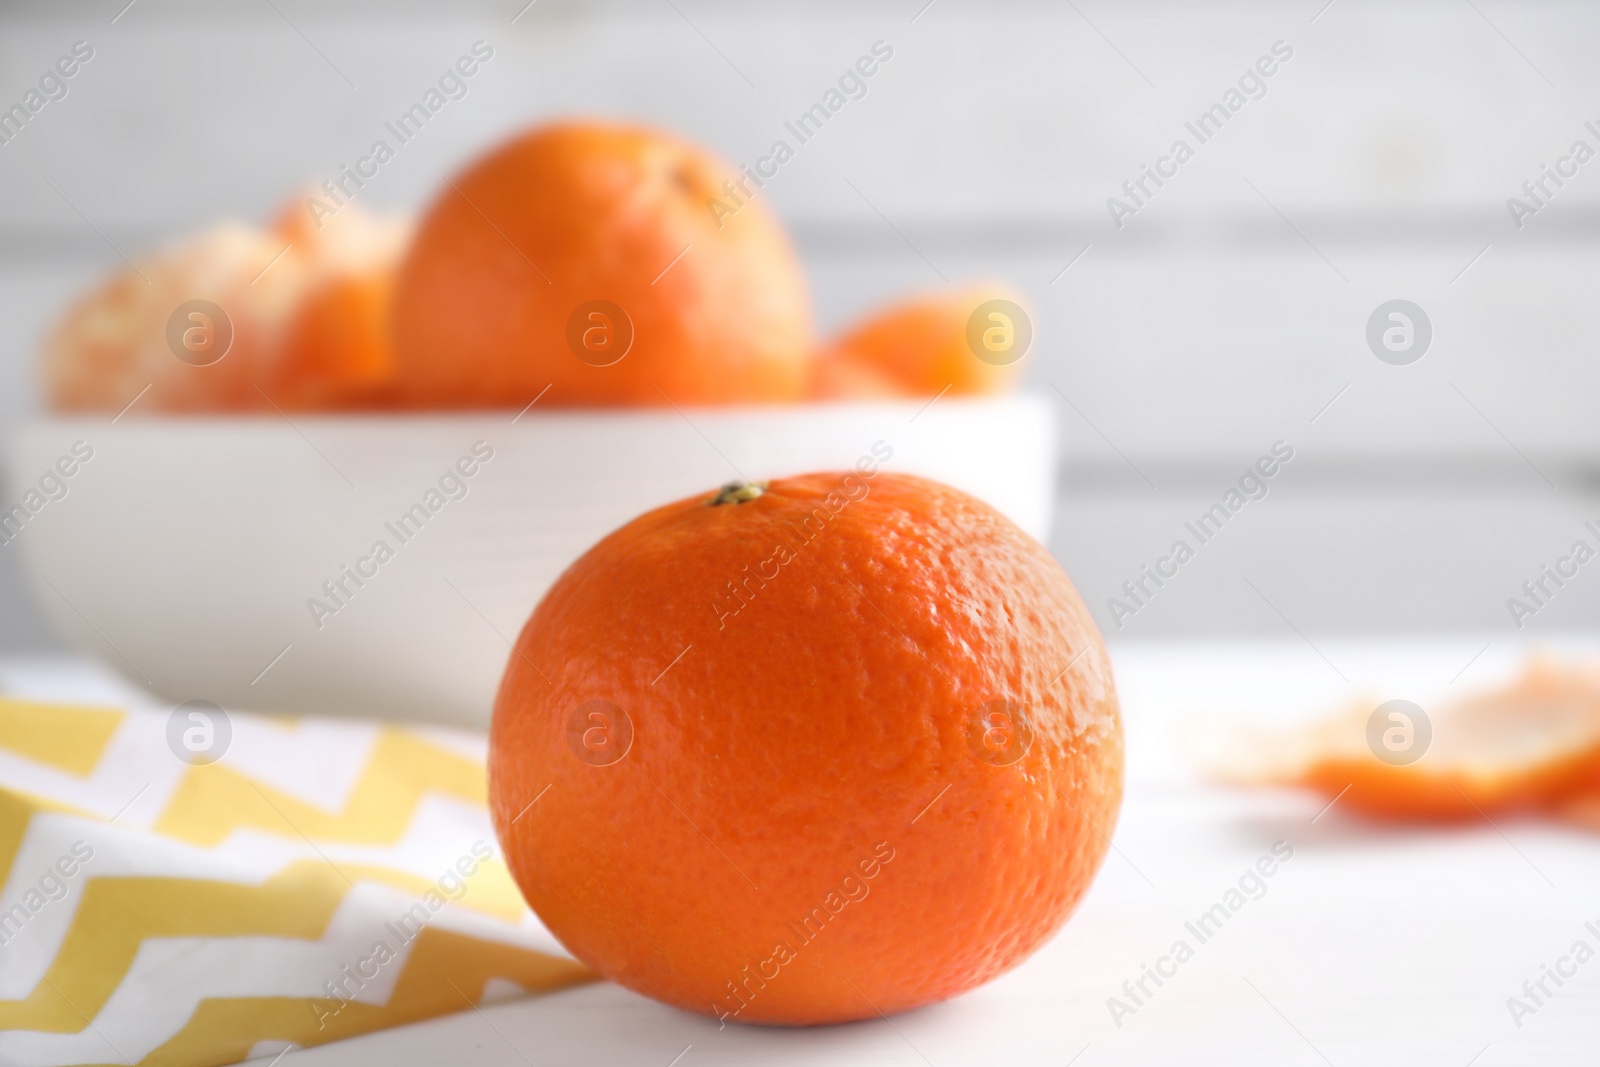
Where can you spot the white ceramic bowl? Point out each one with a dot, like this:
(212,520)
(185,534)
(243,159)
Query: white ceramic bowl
(191,554)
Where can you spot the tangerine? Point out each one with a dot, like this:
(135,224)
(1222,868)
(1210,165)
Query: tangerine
(930,344)
(835,746)
(594,258)
(238,318)
(336,352)
(184,330)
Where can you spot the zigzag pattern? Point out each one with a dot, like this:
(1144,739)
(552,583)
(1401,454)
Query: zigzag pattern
(442,963)
(16,808)
(70,739)
(117,915)
(214,801)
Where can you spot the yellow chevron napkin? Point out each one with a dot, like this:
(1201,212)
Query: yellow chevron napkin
(196,887)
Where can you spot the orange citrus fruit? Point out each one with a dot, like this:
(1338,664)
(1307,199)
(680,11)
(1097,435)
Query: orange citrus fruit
(112,345)
(807,752)
(837,378)
(238,318)
(615,264)
(930,344)
(336,352)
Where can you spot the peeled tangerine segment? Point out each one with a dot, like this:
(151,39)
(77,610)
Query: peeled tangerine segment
(1531,744)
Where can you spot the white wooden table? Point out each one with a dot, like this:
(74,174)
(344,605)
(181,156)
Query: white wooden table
(1371,945)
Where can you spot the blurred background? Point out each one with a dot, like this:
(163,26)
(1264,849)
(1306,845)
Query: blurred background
(1227,313)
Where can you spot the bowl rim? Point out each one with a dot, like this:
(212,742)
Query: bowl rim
(916,406)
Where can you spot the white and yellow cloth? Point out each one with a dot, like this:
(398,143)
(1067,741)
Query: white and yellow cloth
(323,879)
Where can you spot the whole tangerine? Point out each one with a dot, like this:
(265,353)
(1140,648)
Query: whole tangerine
(968,342)
(336,352)
(615,264)
(835,746)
